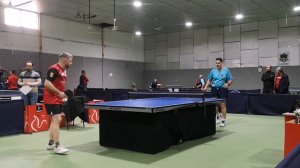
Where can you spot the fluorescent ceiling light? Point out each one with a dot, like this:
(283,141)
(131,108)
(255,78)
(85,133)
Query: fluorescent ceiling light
(138,33)
(188,24)
(239,16)
(137,4)
(296,8)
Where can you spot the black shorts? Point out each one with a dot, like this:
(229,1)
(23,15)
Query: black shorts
(53,109)
(221,93)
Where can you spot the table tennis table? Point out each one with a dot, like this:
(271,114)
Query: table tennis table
(152,125)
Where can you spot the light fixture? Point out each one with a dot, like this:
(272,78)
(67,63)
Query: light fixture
(188,24)
(115,20)
(296,8)
(138,33)
(239,16)
(78,14)
(137,4)
(115,26)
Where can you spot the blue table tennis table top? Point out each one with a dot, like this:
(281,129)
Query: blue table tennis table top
(151,105)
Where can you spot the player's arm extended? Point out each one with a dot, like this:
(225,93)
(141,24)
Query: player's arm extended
(206,85)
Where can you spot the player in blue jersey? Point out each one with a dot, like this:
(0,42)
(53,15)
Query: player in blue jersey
(220,79)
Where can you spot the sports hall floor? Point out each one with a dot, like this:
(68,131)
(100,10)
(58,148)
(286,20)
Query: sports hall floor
(248,141)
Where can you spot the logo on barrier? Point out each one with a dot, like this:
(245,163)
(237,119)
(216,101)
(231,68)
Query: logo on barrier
(95,116)
(36,119)
(38,125)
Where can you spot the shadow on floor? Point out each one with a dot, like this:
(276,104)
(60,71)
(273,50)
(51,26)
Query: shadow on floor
(95,148)
(77,127)
(267,156)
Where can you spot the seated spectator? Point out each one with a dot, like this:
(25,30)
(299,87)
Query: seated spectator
(200,82)
(155,84)
(2,84)
(133,86)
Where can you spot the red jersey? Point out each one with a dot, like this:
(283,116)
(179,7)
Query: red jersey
(277,82)
(12,82)
(58,76)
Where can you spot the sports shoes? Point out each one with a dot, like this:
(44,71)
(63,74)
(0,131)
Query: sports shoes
(223,123)
(50,147)
(297,113)
(218,118)
(61,150)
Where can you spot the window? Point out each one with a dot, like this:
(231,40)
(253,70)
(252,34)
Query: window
(20,18)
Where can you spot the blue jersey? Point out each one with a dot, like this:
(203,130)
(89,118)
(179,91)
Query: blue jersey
(219,77)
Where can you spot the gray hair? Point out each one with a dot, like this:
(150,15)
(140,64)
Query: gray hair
(65,55)
(279,69)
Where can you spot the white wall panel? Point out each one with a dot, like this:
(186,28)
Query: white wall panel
(293,54)
(134,54)
(114,53)
(79,49)
(149,42)
(268,61)
(52,46)
(201,52)
(119,39)
(215,30)
(173,40)
(215,43)
(186,46)
(249,40)
(64,35)
(268,48)
(268,29)
(161,48)
(249,26)
(186,61)
(149,56)
(288,37)
(161,37)
(232,33)
(212,59)
(22,42)
(201,65)
(232,50)
(161,62)
(186,34)
(289,22)
(134,50)
(173,65)
(233,63)
(173,54)
(87,42)
(200,37)
(249,58)
(70,30)
(60,30)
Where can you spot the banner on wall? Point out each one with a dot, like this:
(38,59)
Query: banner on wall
(284,58)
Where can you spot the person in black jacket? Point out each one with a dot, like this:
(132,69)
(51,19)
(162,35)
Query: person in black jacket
(2,86)
(268,80)
(155,84)
(282,82)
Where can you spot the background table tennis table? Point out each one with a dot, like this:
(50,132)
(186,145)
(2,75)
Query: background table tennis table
(11,113)
(152,125)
